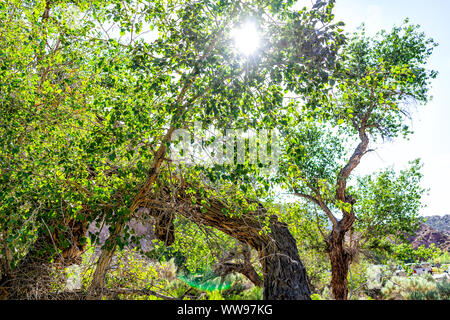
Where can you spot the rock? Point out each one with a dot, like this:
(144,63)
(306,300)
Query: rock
(439,223)
(426,236)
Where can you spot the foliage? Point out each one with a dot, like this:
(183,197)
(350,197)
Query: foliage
(389,203)
(378,76)
(444,258)
(384,284)
(367,98)
(368,95)
(407,253)
(403,287)
(92,91)
(135,272)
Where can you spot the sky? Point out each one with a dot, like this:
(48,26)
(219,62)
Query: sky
(431,139)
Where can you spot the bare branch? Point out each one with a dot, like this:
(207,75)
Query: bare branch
(319,201)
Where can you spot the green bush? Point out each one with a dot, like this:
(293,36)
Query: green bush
(443,289)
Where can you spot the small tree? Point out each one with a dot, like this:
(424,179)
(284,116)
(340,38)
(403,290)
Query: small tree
(389,205)
(368,97)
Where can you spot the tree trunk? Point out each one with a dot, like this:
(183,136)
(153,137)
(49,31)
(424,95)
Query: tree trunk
(284,277)
(245,269)
(5,258)
(103,262)
(284,274)
(339,259)
(98,279)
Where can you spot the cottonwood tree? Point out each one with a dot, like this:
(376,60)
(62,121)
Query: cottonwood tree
(94,98)
(108,151)
(205,79)
(45,80)
(368,98)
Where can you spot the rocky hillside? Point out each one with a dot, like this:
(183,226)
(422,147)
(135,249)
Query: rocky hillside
(439,223)
(426,236)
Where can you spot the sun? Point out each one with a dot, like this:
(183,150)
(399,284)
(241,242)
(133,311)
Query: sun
(246,38)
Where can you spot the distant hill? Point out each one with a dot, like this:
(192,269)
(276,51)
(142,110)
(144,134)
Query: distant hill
(427,235)
(439,223)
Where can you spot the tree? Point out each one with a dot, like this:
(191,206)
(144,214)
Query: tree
(44,80)
(406,253)
(308,226)
(389,204)
(213,79)
(368,97)
(101,107)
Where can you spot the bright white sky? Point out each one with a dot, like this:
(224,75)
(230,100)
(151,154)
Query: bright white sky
(430,142)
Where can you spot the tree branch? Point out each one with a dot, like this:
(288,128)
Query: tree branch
(320,203)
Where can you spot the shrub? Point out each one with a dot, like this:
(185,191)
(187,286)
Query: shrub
(400,288)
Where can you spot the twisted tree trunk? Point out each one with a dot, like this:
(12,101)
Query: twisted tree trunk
(339,259)
(284,276)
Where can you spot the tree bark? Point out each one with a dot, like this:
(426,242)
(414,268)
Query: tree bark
(245,269)
(284,274)
(5,258)
(339,259)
